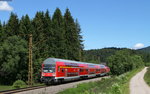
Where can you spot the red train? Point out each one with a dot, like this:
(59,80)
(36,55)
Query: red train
(58,70)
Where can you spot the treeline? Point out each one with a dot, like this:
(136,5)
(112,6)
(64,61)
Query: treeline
(123,61)
(58,36)
(145,50)
(101,55)
(120,60)
(145,53)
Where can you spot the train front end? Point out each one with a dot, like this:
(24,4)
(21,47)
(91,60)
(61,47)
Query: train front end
(48,71)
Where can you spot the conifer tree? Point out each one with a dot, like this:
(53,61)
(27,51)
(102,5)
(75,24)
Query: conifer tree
(58,29)
(0,26)
(49,35)
(1,31)
(12,26)
(71,36)
(25,27)
(38,33)
(80,41)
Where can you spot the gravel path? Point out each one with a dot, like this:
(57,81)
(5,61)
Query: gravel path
(57,88)
(138,85)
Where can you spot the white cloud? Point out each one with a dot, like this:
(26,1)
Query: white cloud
(138,46)
(4,6)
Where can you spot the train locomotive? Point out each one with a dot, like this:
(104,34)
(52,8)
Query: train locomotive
(59,70)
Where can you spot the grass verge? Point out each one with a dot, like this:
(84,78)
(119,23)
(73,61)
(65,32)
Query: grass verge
(113,85)
(4,87)
(125,85)
(9,87)
(147,76)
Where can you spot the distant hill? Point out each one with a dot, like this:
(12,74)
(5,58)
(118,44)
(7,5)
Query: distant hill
(100,55)
(146,50)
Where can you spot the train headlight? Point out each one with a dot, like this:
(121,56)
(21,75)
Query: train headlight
(54,74)
(42,74)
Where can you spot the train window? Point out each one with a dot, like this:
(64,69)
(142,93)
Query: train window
(58,69)
(81,70)
(87,70)
(97,70)
(62,70)
(49,68)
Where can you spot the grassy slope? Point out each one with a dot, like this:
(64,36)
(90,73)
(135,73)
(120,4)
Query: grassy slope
(113,85)
(147,76)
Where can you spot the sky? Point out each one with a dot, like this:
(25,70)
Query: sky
(104,23)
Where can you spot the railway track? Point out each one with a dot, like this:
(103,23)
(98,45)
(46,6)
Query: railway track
(21,89)
(52,89)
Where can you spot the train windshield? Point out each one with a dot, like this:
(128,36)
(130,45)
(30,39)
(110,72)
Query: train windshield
(49,68)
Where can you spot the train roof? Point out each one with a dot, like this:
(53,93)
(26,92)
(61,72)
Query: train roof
(54,60)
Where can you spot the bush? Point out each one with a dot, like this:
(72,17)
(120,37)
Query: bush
(147,64)
(19,84)
(115,89)
(147,76)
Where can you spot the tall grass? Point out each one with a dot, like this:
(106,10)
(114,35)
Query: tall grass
(125,84)
(4,87)
(147,76)
(113,85)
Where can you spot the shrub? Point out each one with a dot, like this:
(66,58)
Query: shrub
(19,84)
(147,76)
(115,89)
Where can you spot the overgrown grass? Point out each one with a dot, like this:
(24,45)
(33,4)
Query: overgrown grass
(4,87)
(9,87)
(125,85)
(113,85)
(147,76)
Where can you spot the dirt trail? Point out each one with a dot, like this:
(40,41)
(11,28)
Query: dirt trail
(138,85)
(58,88)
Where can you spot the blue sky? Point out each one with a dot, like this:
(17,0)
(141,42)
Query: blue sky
(104,23)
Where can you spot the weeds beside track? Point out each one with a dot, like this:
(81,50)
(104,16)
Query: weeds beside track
(21,89)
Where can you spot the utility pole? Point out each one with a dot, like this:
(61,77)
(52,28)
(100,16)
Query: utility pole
(30,67)
(99,60)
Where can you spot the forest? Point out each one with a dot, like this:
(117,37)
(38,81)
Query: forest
(56,36)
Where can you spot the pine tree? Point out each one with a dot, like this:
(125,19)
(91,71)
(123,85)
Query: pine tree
(38,34)
(71,35)
(26,27)
(0,26)
(12,27)
(0,29)
(59,39)
(49,35)
(1,32)
(80,41)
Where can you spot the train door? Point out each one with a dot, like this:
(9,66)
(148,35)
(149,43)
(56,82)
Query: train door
(66,72)
(78,70)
